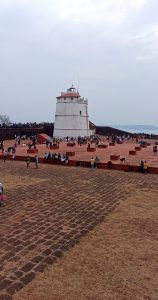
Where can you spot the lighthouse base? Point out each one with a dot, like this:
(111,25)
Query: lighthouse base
(62,133)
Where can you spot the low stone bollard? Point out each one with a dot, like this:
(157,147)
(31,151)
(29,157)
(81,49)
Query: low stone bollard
(70,153)
(102,146)
(119,142)
(155,149)
(143,145)
(137,148)
(90,149)
(132,152)
(32,151)
(71,144)
(114,157)
(54,147)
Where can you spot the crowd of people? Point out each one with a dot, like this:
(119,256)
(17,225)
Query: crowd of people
(62,158)
(11,150)
(35,160)
(25,125)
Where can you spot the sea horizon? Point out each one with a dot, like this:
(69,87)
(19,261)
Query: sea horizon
(147,129)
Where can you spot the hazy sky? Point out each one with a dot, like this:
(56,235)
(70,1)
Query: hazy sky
(107,47)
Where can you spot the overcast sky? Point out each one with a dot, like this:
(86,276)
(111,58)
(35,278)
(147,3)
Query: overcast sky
(107,48)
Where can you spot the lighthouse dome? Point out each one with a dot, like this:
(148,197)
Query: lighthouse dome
(71,92)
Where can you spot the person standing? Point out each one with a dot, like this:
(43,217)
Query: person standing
(5,153)
(66,159)
(28,162)
(1,193)
(142,166)
(36,161)
(92,162)
(145,167)
(13,154)
(97,161)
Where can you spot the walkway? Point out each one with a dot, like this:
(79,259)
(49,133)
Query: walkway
(49,210)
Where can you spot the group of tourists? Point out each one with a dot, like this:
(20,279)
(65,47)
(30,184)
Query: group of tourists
(52,142)
(11,150)
(33,142)
(143,166)
(60,158)
(94,162)
(96,139)
(29,160)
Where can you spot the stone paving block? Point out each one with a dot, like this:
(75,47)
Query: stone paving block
(18,274)
(5,297)
(27,267)
(15,288)
(28,278)
(40,268)
(49,260)
(4,284)
(37,259)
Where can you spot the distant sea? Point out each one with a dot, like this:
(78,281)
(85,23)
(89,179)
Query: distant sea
(149,129)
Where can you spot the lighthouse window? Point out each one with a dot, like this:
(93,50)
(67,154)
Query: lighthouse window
(80,112)
(71,98)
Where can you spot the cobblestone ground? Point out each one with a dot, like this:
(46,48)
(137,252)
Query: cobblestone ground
(49,210)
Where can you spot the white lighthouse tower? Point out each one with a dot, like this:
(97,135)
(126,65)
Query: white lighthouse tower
(71,117)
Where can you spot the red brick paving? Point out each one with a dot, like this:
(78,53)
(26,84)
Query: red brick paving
(41,221)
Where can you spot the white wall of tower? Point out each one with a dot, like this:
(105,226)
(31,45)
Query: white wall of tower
(71,117)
